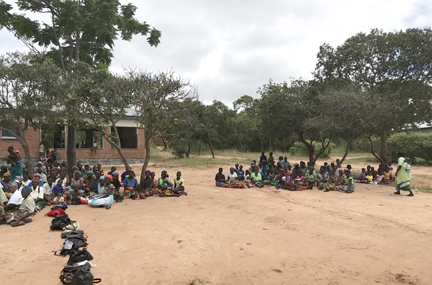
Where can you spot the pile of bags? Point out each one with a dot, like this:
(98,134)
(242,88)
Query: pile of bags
(78,270)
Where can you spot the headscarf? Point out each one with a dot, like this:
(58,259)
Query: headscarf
(89,172)
(26,189)
(108,176)
(7,174)
(114,173)
(102,177)
(36,177)
(148,171)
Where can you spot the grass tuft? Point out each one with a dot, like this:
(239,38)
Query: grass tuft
(196,281)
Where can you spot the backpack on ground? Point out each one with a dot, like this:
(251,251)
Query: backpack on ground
(56,212)
(73,234)
(59,222)
(66,274)
(62,206)
(78,256)
(83,276)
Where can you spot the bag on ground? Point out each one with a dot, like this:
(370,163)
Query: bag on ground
(59,222)
(78,256)
(83,276)
(56,212)
(62,206)
(73,234)
(66,274)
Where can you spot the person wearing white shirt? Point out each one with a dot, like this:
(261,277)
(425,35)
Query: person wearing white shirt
(47,187)
(232,175)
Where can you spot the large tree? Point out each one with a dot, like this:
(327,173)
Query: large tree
(28,96)
(77,30)
(103,99)
(285,109)
(158,99)
(396,70)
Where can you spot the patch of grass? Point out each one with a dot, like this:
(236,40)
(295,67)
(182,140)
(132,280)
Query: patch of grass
(196,281)
(424,189)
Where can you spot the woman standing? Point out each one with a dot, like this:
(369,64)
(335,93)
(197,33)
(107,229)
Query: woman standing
(403,178)
(15,161)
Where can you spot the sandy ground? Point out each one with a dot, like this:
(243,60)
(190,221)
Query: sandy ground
(236,236)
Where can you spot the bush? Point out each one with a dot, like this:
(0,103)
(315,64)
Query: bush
(179,147)
(301,149)
(413,145)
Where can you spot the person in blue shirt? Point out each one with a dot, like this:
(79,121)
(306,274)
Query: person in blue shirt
(263,158)
(285,163)
(240,173)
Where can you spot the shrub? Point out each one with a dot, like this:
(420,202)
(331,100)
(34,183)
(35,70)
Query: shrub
(301,149)
(179,147)
(414,145)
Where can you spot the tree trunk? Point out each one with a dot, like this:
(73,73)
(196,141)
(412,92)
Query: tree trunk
(117,145)
(199,146)
(385,154)
(71,148)
(189,149)
(210,145)
(372,149)
(147,145)
(309,147)
(346,152)
(30,169)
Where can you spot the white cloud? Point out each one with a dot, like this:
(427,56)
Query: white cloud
(229,48)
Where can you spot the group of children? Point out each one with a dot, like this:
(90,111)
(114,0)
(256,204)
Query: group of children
(384,175)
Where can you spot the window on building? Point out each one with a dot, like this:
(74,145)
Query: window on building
(8,135)
(128,137)
(86,138)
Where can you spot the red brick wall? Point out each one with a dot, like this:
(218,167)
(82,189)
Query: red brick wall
(32,138)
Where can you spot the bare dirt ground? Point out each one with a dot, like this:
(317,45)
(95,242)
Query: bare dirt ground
(238,236)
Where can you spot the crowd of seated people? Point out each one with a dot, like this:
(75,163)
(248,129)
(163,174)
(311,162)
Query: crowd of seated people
(301,176)
(23,196)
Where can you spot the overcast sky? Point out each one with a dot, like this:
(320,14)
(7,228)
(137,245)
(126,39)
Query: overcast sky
(229,48)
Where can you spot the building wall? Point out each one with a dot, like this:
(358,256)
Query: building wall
(33,140)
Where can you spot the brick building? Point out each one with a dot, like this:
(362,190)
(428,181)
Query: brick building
(131,139)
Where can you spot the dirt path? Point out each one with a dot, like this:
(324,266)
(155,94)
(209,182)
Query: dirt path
(233,236)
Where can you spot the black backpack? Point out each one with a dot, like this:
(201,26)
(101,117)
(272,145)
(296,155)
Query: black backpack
(78,256)
(60,205)
(83,276)
(66,274)
(59,222)
(73,234)
(76,244)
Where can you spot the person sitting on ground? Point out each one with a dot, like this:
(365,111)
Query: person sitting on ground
(126,173)
(296,170)
(130,185)
(290,183)
(370,178)
(38,194)
(232,175)
(164,183)
(15,200)
(179,188)
(108,198)
(236,167)
(403,177)
(348,184)
(263,158)
(362,177)
(63,177)
(373,172)
(220,179)
(48,189)
(25,179)
(155,181)
(241,173)
(270,160)
(348,170)
(387,175)
(77,182)
(88,184)
(96,180)
(379,177)
(340,178)
(256,178)
(303,168)
(113,169)
(281,179)
(286,163)
(310,178)
(322,178)
(6,181)
(57,193)
(146,186)
(3,198)
(36,179)
(248,175)
(26,210)
(116,181)
(280,161)
(331,185)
